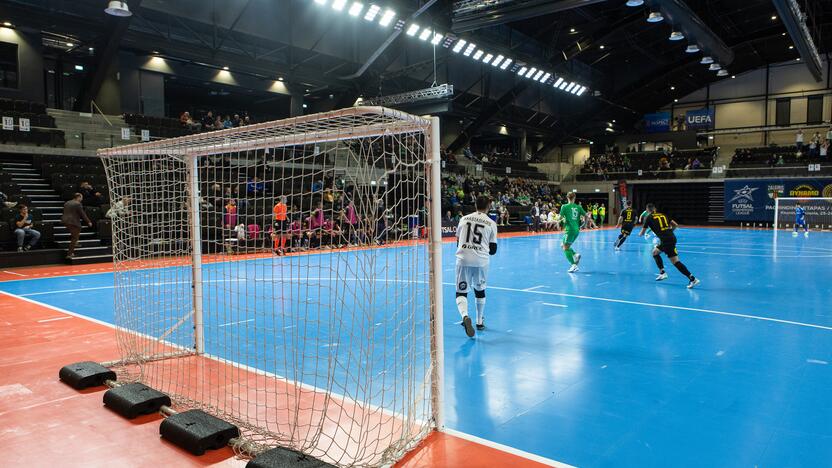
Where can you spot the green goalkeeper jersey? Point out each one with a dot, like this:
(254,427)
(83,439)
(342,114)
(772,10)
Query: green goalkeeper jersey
(572,214)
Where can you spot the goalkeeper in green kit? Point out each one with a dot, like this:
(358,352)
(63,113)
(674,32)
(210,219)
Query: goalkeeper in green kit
(571,216)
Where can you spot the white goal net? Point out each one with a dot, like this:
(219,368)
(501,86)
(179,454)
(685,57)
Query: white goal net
(282,276)
(817,213)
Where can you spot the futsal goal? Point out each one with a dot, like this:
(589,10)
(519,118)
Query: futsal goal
(818,212)
(286,277)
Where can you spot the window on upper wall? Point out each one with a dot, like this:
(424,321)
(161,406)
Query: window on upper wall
(782,114)
(814,109)
(8,65)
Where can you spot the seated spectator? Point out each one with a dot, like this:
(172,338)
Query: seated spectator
(696,164)
(208,121)
(236,121)
(188,123)
(218,123)
(317,186)
(227,122)
(119,208)
(92,197)
(23,228)
(448,218)
(255,186)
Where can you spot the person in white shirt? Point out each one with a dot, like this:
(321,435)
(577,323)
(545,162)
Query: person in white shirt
(798,140)
(476,242)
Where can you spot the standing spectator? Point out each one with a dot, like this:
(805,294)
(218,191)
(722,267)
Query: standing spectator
(798,140)
(119,208)
(230,220)
(92,197)
(71,218)
(23,228)
(280,225)
(535,215)
(829,134)
(824,149)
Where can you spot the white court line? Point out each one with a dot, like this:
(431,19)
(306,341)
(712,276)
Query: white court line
(54,319)
(535,287)
(235,323)
(554,305)
(817,361)
(665,306)
(13,273)
(507,449)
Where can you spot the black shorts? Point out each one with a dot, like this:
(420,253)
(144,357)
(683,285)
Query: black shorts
(627,229)
(668,246)
(281,226)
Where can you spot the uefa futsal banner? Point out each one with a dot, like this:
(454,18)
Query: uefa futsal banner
(657,122)
(753,199)
(699,119)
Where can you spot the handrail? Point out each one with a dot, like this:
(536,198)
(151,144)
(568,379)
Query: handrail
(94,107)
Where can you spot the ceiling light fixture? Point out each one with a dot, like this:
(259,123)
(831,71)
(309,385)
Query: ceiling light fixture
(425,34)
(459,45)
(497,61)
(437,38)
(487,59)
(117,8)
(531,72)
(355,9)
(558,82)
(506,64)
(372,12)
(676,36)
(706,60)
(412,29)
(538,75)
(692,49)
(522,71)
(387,18)
(478,54)
(655,17)
(722,72)
(634,3)
(569,88)
(581,91)
(469,49)
(338,5)
(715,67)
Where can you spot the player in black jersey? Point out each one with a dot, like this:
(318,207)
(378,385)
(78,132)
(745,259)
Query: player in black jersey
(663,227)
(627,221)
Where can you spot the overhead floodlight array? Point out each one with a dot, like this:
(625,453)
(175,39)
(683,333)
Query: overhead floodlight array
(676,35)
(374,13)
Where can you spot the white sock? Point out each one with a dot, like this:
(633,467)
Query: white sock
(480,310)
(462,305)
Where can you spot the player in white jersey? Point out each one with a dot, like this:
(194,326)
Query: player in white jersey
(476,241)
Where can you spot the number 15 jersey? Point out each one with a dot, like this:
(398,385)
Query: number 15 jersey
(474,234)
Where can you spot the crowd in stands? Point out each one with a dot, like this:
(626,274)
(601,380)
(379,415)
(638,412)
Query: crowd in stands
(210,122)
(615,165)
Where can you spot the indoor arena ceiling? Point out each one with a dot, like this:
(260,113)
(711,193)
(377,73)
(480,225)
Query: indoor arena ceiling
(627,63)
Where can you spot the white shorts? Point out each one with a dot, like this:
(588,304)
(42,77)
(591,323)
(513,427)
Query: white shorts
(469,277)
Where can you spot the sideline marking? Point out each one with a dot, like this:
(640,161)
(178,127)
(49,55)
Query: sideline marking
(554,305)
(817,361)
(506,448)
(666,306)
(535,287)
(235,323)
(13,273)
(55,319)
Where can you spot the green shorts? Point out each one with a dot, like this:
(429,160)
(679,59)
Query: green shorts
(569,237)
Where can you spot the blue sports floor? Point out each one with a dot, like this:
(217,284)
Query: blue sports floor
(606,367)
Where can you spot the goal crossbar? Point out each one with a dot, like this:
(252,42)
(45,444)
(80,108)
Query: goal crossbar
(343,124)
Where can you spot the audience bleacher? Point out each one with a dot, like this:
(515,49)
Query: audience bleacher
(42,131)
(777,161)
(652,165)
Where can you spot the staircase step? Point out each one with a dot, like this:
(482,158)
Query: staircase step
(84,235)
(90,259)
(81,243)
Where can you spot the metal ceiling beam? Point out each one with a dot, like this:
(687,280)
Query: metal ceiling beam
(795,22)
(512,11)
(695,30)
(504,101)
(104,57)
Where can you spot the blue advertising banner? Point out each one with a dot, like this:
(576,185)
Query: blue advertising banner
(700,119)
(657,122)
(753,199)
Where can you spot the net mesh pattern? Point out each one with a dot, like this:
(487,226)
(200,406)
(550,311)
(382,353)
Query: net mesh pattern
(315,326)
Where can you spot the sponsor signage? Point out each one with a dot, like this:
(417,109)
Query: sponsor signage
(699,119)
(657,122)
(753,199)
(449,228)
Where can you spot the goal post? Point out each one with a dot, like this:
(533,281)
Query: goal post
(818,213)
(287,277)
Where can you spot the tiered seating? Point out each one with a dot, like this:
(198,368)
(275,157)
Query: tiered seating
(43,132)
(777,161)
(160,127)
(518,169)
(628,165)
